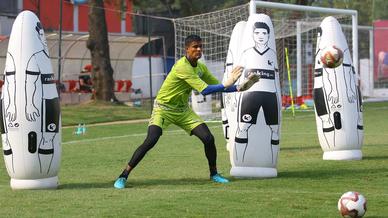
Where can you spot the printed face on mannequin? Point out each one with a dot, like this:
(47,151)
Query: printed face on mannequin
(260,36)
(194,50)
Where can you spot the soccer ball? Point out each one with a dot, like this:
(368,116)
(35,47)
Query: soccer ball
(352,204)
(331,57)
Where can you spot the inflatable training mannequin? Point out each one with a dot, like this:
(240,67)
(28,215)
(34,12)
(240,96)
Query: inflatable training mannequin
(337,98)
(229,100)
(255,144)
(30,113)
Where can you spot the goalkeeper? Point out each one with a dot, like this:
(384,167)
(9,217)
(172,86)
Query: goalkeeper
(171,106)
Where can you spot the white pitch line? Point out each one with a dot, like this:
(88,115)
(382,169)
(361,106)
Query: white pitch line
(110,123)
(177,132)
(116,137)
(174,132)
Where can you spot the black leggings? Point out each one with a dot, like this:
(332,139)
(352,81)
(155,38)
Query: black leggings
(204,134)
(154,133)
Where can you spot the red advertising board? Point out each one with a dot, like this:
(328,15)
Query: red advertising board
(48,13)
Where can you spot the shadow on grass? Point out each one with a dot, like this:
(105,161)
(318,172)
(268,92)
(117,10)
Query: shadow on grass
(330,173)
(86,185)
(375,158)
(170,182)
(139,183)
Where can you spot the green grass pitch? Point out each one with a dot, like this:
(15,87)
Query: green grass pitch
(173,181)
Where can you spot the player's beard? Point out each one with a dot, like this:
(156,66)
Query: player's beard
(198,56)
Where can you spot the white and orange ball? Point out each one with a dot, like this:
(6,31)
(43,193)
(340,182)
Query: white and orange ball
(332,56)
(352,204)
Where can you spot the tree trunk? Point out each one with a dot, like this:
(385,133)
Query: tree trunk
(98,45)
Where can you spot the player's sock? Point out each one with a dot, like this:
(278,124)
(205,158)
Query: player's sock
(213,171)
(124,174)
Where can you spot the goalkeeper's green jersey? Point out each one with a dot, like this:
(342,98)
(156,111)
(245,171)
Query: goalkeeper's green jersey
(182,79)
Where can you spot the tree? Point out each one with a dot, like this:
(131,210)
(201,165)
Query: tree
(185,7)
(98,45)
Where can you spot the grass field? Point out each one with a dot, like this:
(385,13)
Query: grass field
(172,180)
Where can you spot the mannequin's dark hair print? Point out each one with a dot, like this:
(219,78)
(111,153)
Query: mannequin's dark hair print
(261,25)
(38,27)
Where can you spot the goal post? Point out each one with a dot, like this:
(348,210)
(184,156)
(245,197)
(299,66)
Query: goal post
(295,28)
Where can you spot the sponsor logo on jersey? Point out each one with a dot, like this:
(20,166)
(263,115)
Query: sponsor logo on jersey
(200,73)
(246,118)
(52,127)
(263,73)
(48,78)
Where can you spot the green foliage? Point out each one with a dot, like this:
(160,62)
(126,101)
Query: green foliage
(144,6)
(380,8)
(185,7)
(368,10)
(172,180)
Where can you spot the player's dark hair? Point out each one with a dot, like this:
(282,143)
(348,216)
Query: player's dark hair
(192,38)
(261,25)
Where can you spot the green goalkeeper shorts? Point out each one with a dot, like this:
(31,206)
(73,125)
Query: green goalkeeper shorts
(186,119)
